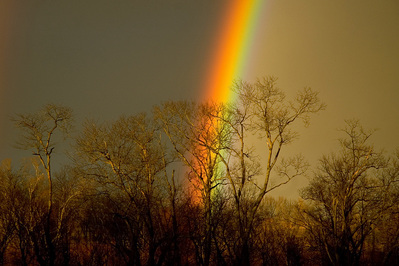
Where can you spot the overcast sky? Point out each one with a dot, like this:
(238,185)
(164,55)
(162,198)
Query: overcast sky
(107,58)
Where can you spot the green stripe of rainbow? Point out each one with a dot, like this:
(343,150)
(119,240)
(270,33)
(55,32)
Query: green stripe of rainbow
(234,40)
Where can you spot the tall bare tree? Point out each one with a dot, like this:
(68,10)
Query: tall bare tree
(40,131)
(262,108)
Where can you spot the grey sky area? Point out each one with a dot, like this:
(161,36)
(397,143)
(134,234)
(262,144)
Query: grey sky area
(107,58)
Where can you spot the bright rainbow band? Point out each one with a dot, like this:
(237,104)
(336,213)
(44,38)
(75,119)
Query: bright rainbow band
(232,48)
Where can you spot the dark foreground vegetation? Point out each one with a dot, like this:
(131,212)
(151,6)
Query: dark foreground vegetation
(125,200)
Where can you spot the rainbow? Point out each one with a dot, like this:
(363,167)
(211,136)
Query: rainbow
(229,57)
(228,61)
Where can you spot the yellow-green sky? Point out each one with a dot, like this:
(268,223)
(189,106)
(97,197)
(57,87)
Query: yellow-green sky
(107,58)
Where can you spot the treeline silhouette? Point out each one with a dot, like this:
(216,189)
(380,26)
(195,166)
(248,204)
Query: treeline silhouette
(185,185)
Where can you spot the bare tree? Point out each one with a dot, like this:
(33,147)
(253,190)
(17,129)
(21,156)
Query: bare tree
(127,159)
(25,200)
(348,196)
(262,108)
(198,137)
(7,225)
(39,133)
(382,246)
